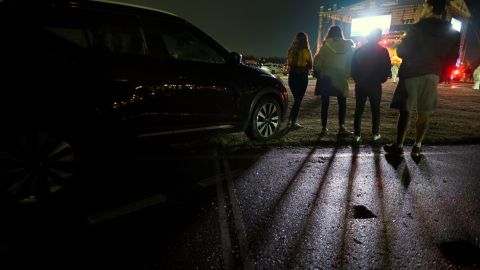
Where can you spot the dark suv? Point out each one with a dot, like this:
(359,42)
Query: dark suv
(80,75)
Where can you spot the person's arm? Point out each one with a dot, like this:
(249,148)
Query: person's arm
(407,45)
(349,59)
(309,59)
(386,65)
(289,59)
(355,67)
(317,63)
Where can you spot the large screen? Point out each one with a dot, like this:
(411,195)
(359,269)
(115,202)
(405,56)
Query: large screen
(456,24)
(362,26)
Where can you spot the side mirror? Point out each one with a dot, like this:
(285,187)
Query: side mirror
(234,58)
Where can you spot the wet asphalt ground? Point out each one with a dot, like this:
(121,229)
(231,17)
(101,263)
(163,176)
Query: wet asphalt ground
(281,208)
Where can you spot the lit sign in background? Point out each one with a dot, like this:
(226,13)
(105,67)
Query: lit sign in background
(362,26)
(456,24)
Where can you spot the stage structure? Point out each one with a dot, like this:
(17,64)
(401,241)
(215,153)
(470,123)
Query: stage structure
(395,17)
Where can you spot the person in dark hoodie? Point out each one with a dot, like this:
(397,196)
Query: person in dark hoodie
(426,51)
(331,67)
(370,68)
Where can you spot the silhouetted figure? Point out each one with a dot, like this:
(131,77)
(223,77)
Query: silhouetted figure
(299,63)
(331,67)
(370,68)
(427,51)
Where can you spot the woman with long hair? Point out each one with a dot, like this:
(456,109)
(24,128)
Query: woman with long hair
(332,68)
(299,64)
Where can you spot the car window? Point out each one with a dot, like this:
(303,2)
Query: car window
(185,45)
(67,25)
(75,35)
(117,33)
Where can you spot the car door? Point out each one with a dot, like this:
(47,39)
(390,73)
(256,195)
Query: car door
(129,74)
(196,88)
(108,66)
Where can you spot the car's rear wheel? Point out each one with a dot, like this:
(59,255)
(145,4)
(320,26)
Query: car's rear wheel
(265,120)
(35,165)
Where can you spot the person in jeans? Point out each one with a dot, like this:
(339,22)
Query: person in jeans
(331,67)
(370,68)
(299,64)
(427,50)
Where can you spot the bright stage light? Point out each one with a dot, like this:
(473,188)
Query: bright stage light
(362,26)
(456,24)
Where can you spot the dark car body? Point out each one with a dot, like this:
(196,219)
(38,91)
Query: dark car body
(85,71)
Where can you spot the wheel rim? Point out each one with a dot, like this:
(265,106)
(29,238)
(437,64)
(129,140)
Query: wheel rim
(36,165)
(267,120)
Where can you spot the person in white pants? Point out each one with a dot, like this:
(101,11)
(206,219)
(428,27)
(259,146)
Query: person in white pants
(476,78)
(394,73)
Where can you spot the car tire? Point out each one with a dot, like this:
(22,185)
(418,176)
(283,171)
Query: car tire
(34,165)
(265,120)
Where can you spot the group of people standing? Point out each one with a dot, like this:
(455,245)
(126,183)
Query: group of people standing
(333,64)
(428,48)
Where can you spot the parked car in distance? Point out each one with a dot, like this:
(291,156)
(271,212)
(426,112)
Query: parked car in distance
(273,68)
(80,76)
(285,69)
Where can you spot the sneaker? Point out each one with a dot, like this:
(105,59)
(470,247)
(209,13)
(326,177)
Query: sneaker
(344,131)
(324,131)
(416,151)
(393,149)
(377,137)
(357,138)
(295,126)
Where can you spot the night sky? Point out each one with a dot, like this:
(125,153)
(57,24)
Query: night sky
(257,27)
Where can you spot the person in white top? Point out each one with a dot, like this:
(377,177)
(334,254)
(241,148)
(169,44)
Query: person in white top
(394,73)
(476,78)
